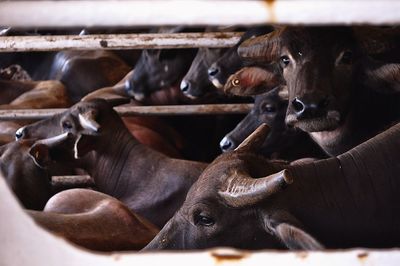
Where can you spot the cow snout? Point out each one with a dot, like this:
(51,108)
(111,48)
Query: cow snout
(310,108)
(226,144)
(213,71)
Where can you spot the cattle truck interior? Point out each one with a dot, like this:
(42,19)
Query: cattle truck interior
(229,132)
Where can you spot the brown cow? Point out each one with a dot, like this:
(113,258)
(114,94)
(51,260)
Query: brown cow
(148,182)
(94,220)
(325,70)
(244,201)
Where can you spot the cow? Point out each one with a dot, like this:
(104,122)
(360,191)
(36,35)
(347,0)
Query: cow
(244,201)
(85,71)
(195,83)
(324,69)
(230,62)
(148,182)
(23,94)
(28,166)
(15,94)
(14,72)
(281,142)
(159,69)
(95,221)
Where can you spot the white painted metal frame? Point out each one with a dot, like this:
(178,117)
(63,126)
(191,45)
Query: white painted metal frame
(118,41)
(24,243)
(195,12)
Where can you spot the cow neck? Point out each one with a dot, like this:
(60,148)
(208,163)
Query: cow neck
(121,162)
(371,112)
(348,192)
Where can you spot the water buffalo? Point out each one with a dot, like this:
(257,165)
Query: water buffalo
(195,83)
(85,71)
(28,166)
(95,221)
(244,201)
(230,61)
(159,69)
(282,142)
(148,182)
(324,69)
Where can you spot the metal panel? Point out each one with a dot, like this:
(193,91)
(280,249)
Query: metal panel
(195,12)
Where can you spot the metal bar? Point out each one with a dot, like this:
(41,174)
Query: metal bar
(37,14)
(161,110)
(118,41)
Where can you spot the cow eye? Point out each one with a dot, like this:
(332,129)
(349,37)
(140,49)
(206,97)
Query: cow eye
(268,108)
(201,219)
(347,57)
(284,61)
(236,82)
(67,125)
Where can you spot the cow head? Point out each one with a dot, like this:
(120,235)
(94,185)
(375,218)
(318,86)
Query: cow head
(269,108)
(82,121)
(159,69)
(195,83)
(26,166)
(319,66)
(230,61)
(232,204)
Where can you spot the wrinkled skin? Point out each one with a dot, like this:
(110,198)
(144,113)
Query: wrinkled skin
(204,220)
(323,69)
(345,201)
(195,83)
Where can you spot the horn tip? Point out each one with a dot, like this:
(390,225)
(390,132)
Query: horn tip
(287,176)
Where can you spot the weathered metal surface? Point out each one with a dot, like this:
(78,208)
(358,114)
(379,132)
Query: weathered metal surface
(72,181)
(118,41)
(162,110)
(195,12)
(24,243)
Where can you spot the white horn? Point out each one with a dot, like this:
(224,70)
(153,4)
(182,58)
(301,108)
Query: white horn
(88,123)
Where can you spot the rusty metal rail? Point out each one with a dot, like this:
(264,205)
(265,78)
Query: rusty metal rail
(118,41)
(162,110)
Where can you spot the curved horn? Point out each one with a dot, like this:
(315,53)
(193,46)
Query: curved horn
(262,48)
(375,40)
(242,190)
(87,121)
(53,141)
(254,141)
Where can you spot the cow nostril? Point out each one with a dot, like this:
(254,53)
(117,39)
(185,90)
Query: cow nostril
(298,105)
(226,144)
(185,86)
(212,71)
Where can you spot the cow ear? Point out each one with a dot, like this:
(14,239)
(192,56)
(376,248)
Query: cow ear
(290,232)
(40,155)
(83,145)
(383,77)
(254,141)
